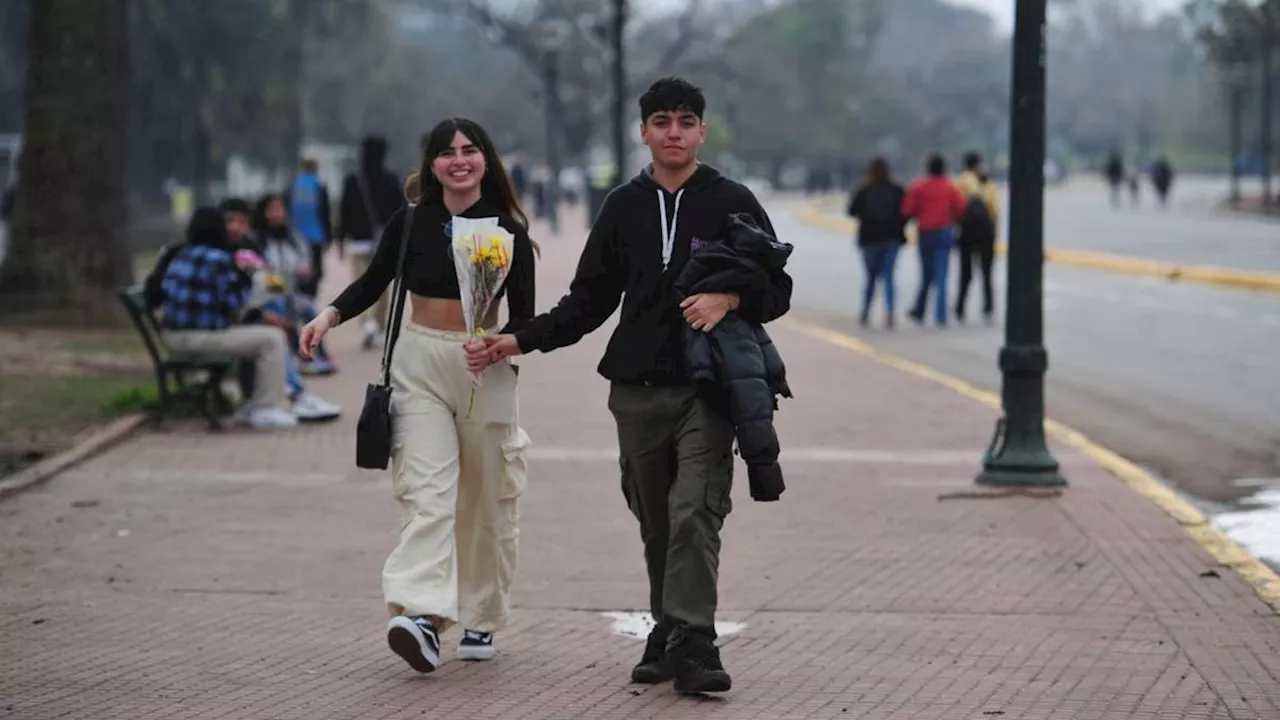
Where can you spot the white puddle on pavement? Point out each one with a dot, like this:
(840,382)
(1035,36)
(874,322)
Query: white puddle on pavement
(638,624)
(1256,524)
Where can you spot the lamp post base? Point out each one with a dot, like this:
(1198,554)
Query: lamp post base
(1020,477)
(1019,461)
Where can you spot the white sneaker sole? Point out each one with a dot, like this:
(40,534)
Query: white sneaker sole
(316,416)
(407,640)
(477,652)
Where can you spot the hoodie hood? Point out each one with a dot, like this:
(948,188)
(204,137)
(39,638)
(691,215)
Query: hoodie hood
(705,176)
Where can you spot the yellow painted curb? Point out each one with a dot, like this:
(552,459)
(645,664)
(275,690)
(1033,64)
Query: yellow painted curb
(816,214)
(1223,549)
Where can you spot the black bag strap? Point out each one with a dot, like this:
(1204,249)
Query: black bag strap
(398,295)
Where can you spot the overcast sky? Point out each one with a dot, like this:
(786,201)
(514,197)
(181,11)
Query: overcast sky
(1003,9)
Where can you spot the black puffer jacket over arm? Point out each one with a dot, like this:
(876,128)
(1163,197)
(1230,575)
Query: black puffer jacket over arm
(736,366)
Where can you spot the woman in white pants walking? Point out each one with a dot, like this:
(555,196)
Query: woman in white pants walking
(457,476)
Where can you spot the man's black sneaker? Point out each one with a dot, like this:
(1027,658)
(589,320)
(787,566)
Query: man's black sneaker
(653,667)
(476,645)
(416,640)
(697,667)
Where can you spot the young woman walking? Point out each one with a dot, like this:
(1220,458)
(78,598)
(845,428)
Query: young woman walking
(877,206)
(458,476)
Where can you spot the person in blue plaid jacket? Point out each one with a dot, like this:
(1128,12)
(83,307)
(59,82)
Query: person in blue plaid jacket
(205,296)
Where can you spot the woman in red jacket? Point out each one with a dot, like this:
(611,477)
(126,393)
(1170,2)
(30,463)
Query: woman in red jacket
(936,204)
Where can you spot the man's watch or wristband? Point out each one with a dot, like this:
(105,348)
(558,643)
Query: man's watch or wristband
(337,316)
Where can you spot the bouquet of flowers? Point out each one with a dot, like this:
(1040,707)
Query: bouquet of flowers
(482,252)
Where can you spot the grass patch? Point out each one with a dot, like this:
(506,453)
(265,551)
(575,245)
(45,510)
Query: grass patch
(46,412)
(56,383)
(121,343)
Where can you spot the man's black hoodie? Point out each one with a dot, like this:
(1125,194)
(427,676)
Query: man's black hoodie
(623,261)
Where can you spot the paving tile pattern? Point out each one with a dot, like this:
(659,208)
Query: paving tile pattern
(193,575)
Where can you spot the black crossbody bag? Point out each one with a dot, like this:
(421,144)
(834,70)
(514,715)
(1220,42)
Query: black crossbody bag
(374,428)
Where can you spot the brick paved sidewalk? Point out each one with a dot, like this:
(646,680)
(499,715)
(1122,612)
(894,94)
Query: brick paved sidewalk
(190,575)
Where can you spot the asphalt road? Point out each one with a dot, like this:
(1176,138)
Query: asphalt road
(1080,216)
(1182,378)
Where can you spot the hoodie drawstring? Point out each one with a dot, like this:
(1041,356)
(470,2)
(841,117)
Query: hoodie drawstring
(668,235)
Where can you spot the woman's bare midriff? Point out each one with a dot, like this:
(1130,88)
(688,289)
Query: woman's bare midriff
(444,314)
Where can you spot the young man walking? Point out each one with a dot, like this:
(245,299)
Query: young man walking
(676,450)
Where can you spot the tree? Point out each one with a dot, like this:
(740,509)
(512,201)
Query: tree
(213,78)
(14,17)
(660,42)
(1234,31)
(797,71)
(70,253)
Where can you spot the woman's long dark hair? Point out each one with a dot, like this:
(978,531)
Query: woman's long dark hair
(423,187)
(878,172)
(260,223)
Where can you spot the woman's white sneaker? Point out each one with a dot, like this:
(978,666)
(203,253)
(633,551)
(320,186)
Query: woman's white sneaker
(476,645)
(415,640)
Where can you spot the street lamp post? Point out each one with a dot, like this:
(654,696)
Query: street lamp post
(1019,455)
(1268,37)
(618,33)
(552,38)
(1234,77)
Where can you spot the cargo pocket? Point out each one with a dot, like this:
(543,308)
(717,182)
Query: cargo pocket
(515,466)
(719,496)
(627,473)
(397,476)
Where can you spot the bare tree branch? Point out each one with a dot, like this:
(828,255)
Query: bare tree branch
(504,31)
(685,34)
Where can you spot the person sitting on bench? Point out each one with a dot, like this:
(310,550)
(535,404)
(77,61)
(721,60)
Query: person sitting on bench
(203,296)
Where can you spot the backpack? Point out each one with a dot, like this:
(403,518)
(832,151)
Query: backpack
(976,220)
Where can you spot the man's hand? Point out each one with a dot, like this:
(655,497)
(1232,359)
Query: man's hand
(705,310)
(491,349)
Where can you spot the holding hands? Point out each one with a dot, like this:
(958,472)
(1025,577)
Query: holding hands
(483,352)
(702,312)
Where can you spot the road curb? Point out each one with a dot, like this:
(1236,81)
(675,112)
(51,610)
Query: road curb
(97,440)
(814,214)
(1222,548)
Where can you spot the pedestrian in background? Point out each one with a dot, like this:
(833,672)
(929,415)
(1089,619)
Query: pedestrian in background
(308,204)
(936,205)
(877,206)
(370,196)
(979,227)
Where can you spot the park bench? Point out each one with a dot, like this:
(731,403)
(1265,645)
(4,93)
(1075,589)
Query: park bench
(195,377)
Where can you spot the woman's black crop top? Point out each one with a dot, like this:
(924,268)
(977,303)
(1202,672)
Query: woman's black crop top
(428,263)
